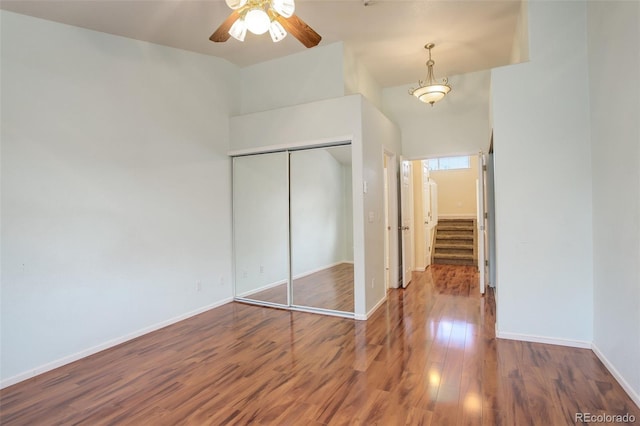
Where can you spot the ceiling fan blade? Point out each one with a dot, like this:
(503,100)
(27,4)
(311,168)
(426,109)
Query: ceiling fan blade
(300,30)
(222,33)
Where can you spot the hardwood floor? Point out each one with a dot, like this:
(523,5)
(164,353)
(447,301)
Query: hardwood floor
(427,357)
(331,288)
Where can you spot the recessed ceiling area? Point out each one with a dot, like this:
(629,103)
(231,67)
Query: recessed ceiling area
(387,36)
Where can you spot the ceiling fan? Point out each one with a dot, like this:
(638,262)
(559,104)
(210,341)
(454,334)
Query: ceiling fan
(260,16)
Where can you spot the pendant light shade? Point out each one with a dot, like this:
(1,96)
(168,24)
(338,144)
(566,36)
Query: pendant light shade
(430,91)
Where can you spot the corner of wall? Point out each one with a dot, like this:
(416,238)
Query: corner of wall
(358,79)
(520,47)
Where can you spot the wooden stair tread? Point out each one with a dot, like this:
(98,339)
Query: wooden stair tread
(453,246)
(455,228)
(453,256)
(453,237)
(455,242)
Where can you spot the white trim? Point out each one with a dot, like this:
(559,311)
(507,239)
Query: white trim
(347,139)
(106,345)
(583,344)
(454,154)
(365,317)
(322,311)
(633,394)
(457,216)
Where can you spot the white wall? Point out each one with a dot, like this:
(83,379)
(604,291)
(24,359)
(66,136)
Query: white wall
(378,134)
(307,76)
(520,48)
(457,195)
(358,79)
(459,124)
(306,124)
(543,182)
(614,46)
(115,189)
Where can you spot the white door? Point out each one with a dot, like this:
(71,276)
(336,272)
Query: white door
(426,212)
(480,222)
(387,228)
(434,202)
(406,220)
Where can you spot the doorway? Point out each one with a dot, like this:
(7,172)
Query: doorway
(424,210)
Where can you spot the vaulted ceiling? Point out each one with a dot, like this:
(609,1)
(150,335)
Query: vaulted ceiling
(388,36)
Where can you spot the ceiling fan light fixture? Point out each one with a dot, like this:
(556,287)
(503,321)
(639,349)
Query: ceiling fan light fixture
(238,30)
(235,4)
(430,91)
(257,21)
(284,7)
(260,16)
(277,31)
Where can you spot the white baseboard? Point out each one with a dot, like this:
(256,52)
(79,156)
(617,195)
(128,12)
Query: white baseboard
(372,310)
(106,345)
(547,340)
(633,394)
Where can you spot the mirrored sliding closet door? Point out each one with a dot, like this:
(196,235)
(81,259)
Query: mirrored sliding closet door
(293,229)
(322,228)
(261,227)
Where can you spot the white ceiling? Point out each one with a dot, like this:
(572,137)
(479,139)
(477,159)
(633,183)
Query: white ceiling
(388,36)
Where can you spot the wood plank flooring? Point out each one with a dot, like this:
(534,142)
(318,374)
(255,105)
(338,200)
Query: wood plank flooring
(427,357)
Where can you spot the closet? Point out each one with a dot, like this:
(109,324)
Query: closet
(293,229)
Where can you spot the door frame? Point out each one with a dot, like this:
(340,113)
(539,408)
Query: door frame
(481,214)
(392,212)
(487,243)
(406,226)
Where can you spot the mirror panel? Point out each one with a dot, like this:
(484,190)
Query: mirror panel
(322,228)
(261,227)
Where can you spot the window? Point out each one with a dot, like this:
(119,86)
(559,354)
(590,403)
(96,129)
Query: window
(449,163)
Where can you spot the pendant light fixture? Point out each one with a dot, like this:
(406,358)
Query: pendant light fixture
(429,90)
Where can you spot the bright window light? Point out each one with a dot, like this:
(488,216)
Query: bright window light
(450,163)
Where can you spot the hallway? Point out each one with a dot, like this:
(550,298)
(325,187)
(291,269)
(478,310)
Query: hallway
(427,357)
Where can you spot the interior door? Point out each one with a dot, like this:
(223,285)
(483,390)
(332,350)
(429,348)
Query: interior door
(480,222)
(426,212)
(485,189)
(321,230)
(387,227)
(406,220)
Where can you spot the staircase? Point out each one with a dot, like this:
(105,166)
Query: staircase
(455,242)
